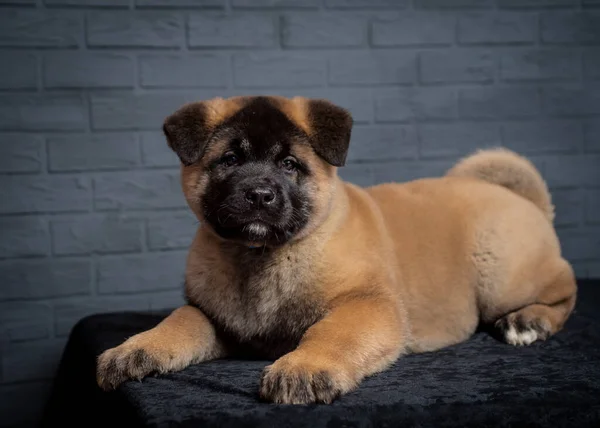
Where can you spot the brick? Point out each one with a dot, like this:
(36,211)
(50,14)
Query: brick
(32,361)
(373,68)
(456,67)
(19,70)
(141,273)
(580,269)
(24,237)
(556,136)
(414,29)
(568,206)
(572,170)
(96,235)
(138,190)
(358,101)
(498,102)
(43,112)
(88,3)
(21,153)
(591,63)
(399,172)
(240,31)
(22,404)
(454,4)
(156,152)
(591,135)
(570,27)
(26,194)
(93,152)
(69,313)
(88,70)
(17,2)
(376,143)
(128,111)
(40,28)
(208,71)
(360,174)
(498,28)
(167,300)
(539,64)
(407,104)
(134,29)
(593,270)
(171,231)
(318,30)
(535,3)
(580,244)
(592,206)
(181,3)
(368,4)
(571,100)
(269,4)
(23,321)
(453,140)
(38,279)
(278,69)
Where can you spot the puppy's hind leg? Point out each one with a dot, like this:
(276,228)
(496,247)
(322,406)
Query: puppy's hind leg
(540,320)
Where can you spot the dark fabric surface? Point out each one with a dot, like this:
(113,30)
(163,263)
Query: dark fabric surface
(482,382)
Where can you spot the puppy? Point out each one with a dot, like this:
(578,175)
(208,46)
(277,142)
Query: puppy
(334,282)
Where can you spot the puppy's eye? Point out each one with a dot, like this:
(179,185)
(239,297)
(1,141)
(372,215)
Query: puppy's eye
(289,164)
(230,159)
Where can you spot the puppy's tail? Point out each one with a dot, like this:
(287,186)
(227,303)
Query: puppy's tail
(508,169)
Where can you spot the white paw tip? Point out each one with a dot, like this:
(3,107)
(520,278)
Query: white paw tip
(525,337)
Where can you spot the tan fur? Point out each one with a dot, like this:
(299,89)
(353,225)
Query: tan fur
(323,187)
(184,337)
(194,179)
(296,110)
(379,272)
(505,168)
(222,109)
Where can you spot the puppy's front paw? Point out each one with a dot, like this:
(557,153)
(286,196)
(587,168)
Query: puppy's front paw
(129,361)
(294,381)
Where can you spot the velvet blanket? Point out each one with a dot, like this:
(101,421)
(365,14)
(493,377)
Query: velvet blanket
(482,382)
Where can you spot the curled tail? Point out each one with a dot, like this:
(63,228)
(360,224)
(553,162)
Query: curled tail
(508,169)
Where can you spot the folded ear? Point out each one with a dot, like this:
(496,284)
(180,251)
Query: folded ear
(189,129)
(330,128)
(187,132)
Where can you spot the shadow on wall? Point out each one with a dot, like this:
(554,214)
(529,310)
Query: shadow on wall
(92,215)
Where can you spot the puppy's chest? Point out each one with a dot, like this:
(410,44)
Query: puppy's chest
(264,307)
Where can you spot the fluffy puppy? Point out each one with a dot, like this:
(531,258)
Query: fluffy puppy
(334,282)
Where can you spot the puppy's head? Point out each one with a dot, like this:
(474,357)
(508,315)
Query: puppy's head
(260,170)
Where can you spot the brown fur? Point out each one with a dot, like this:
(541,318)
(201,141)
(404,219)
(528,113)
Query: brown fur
(378,272)
(507,169)
(183,338)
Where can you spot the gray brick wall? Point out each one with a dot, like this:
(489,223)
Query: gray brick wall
(91,214)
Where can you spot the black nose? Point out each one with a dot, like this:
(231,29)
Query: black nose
(260,196)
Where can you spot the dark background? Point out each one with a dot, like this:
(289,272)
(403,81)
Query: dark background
(92,218)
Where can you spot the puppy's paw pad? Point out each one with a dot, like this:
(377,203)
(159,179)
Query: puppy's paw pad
(119,364)
(296,385)
(518,331)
